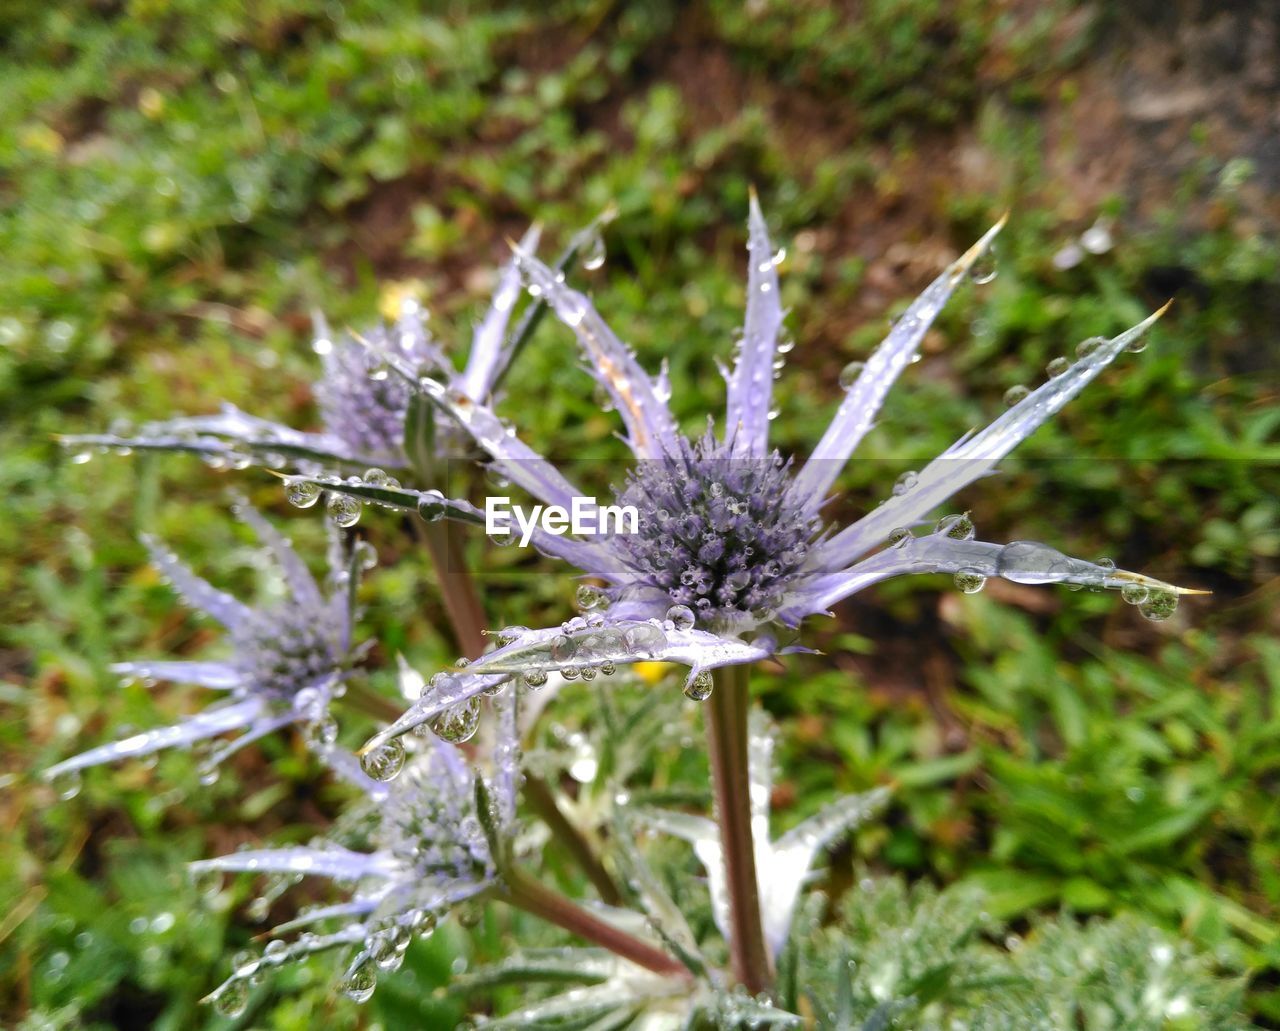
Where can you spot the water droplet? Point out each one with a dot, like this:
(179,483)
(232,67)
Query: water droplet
(957,527)
(360,983)
(207,883)
(608,668)
(969,581)
(1089,346)
(431,506)
(570,672)
(898,536)
(343,509)
(984,269)
(699,686)
(1134,594)
(593,253)
(376,477)
(503,540)
(1137,345)
(563,648)
(458,723)
(1057,367)
(385,761)
(590,597)
(234,999)
(321,732)
(850,373)
(905,483)
(1016,395)
(67,784)
(302,493)
(534,678)
(588,672)
(681,617)
(1159,606)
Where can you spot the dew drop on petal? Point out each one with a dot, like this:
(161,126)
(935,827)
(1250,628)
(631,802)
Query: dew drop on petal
(984,269)
(1159,606)
(534,678)
(956,527)
(343,509)
(1134,594)
(970,582)
(385,761)
(1089,346)
(570,672)
(681,617)
(593,252)
(563,648)
(1137,345)
(1016,395)
(699,686)
(458,723)
(590,597)
(360,983)
(233,1000)
(850,373)
(376,477)
(321,732)
(898,537)
(1057,367)
(905,483)
(66,785)
(302,493)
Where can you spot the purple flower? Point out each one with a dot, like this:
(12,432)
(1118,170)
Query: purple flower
(426,850)
(363,409)
(731,549)
(287,661)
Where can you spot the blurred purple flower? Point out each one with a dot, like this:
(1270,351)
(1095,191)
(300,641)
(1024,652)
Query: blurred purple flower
(288,659)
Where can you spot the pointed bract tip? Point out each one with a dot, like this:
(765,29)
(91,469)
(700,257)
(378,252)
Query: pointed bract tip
(609,213)
(967,259)
(1164,308)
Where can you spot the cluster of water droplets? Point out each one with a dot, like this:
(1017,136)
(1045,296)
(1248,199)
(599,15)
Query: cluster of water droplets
(1060,365)
(344,509)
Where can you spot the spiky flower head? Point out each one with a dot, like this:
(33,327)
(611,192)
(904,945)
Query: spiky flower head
(730,537)
(287,662)
(363,409)
(427,849)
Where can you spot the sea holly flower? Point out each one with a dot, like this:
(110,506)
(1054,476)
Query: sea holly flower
(731,551)
(288,658)
(364,412)
(431,841)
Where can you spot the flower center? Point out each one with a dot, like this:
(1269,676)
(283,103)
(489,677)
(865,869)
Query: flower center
(717,533)
(427,821)
(286,651)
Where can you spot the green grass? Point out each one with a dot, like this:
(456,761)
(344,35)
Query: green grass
(180,185)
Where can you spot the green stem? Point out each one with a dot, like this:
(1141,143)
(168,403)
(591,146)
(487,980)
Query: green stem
(523,892)
(727,711)
(457,589)
(543,801)
(466,613)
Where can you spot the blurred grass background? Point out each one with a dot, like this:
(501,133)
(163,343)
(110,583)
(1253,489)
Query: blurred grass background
(181,183)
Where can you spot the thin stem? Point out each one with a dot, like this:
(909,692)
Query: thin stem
(523,892)
(543,801)
(461,599)
(727,710)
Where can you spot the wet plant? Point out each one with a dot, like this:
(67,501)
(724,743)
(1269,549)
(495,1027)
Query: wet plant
(699,919)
